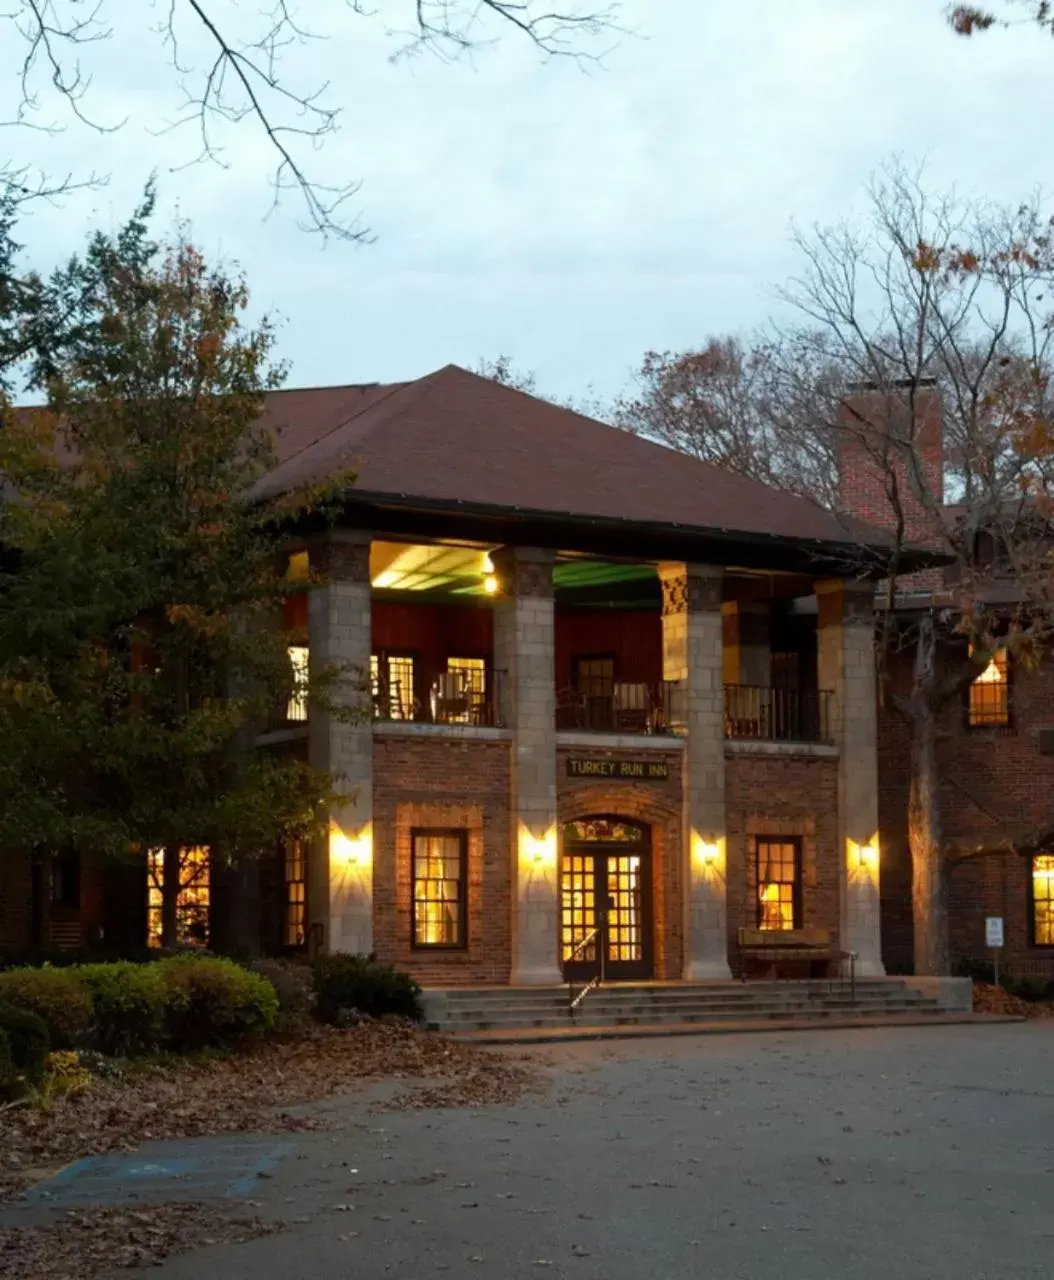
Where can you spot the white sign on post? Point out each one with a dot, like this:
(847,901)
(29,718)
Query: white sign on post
(993,931)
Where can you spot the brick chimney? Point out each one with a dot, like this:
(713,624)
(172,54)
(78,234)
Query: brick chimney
(877,424)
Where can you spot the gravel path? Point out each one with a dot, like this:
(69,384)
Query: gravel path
(852,1155)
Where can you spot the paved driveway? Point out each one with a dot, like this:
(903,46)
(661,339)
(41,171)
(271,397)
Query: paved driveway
(856,1155)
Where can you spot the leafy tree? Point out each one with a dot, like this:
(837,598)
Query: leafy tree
(966,19)
(721,404)
(139,592)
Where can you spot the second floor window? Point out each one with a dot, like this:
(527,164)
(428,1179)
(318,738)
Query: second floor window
(779,882)
(392,684)
(989,694)
(461,691)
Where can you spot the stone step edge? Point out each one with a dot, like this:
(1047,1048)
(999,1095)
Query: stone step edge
(557,1035)
(672,1006)
(702,1020)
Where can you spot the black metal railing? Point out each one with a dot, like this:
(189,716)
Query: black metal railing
(777,715)
(598,937)
(618,706)
(469,697)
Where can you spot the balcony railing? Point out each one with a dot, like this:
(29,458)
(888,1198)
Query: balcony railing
(619,707)
(777,715)
(443,697)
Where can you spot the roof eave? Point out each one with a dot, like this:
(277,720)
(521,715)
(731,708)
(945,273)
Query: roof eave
(656,539)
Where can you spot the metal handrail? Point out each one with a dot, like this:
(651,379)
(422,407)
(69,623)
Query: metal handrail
(573,1001)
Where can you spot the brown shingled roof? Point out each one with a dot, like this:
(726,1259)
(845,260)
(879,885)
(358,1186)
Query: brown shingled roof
(455,437)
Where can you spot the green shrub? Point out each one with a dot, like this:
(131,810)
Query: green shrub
(214,1002)
(1027,988)
(291,980)
(128,1006)
(346,982)
(58,996)
(27,1040)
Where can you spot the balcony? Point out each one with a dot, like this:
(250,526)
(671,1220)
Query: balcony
(405,692)
(761,714)
(612,706)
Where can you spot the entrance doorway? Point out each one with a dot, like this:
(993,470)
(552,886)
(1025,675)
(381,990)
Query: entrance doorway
(605,890)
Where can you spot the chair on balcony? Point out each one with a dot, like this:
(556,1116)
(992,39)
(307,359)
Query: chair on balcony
(632,707)
(570,709)
(452,698)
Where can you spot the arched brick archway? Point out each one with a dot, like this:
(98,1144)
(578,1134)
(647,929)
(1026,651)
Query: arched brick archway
(641,804)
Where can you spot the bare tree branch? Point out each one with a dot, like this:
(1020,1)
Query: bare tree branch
(246,80)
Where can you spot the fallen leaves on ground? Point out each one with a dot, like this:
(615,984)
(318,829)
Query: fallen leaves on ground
(995,1000)
(90,1242)
(242,1092)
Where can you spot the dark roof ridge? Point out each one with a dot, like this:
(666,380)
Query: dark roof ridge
(393,389)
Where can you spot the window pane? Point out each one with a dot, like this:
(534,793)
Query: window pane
(777,879)
(1043,899)
(438,888)
(989,693)
(296,708)
(193,896)
(295,895)
(461,691)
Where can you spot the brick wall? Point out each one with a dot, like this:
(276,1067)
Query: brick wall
(791,796)
(426,782)
(659,805)
(996,770)
(865,419)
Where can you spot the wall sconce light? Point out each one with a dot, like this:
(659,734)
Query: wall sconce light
(350,851)
(538,852)
(490,585)
(707,849)
(865,855)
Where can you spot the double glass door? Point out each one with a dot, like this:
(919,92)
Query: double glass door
(605,899)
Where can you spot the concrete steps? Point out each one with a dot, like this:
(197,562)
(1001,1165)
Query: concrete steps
(501,1009)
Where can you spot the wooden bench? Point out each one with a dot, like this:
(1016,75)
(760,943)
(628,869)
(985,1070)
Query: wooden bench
(778,950)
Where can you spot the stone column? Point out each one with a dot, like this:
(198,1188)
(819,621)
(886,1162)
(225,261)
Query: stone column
(340,868)
(524,648)
(692,655)
(847,669)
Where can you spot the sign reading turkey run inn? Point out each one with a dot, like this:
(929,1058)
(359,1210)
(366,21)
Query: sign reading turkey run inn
(618,770)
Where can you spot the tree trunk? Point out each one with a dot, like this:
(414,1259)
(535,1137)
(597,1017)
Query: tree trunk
(925,836)
(170,897)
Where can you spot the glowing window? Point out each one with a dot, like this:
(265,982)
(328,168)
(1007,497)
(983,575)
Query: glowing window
(440,888)
(1043,900)
(192,897)
(990,693)
(392,685)
(462,691)
(296,708)
(295,894)
(779,883)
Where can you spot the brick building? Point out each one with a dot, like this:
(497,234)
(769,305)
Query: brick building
(996,757)
(590,686)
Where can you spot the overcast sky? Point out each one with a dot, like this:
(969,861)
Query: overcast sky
(569,220)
